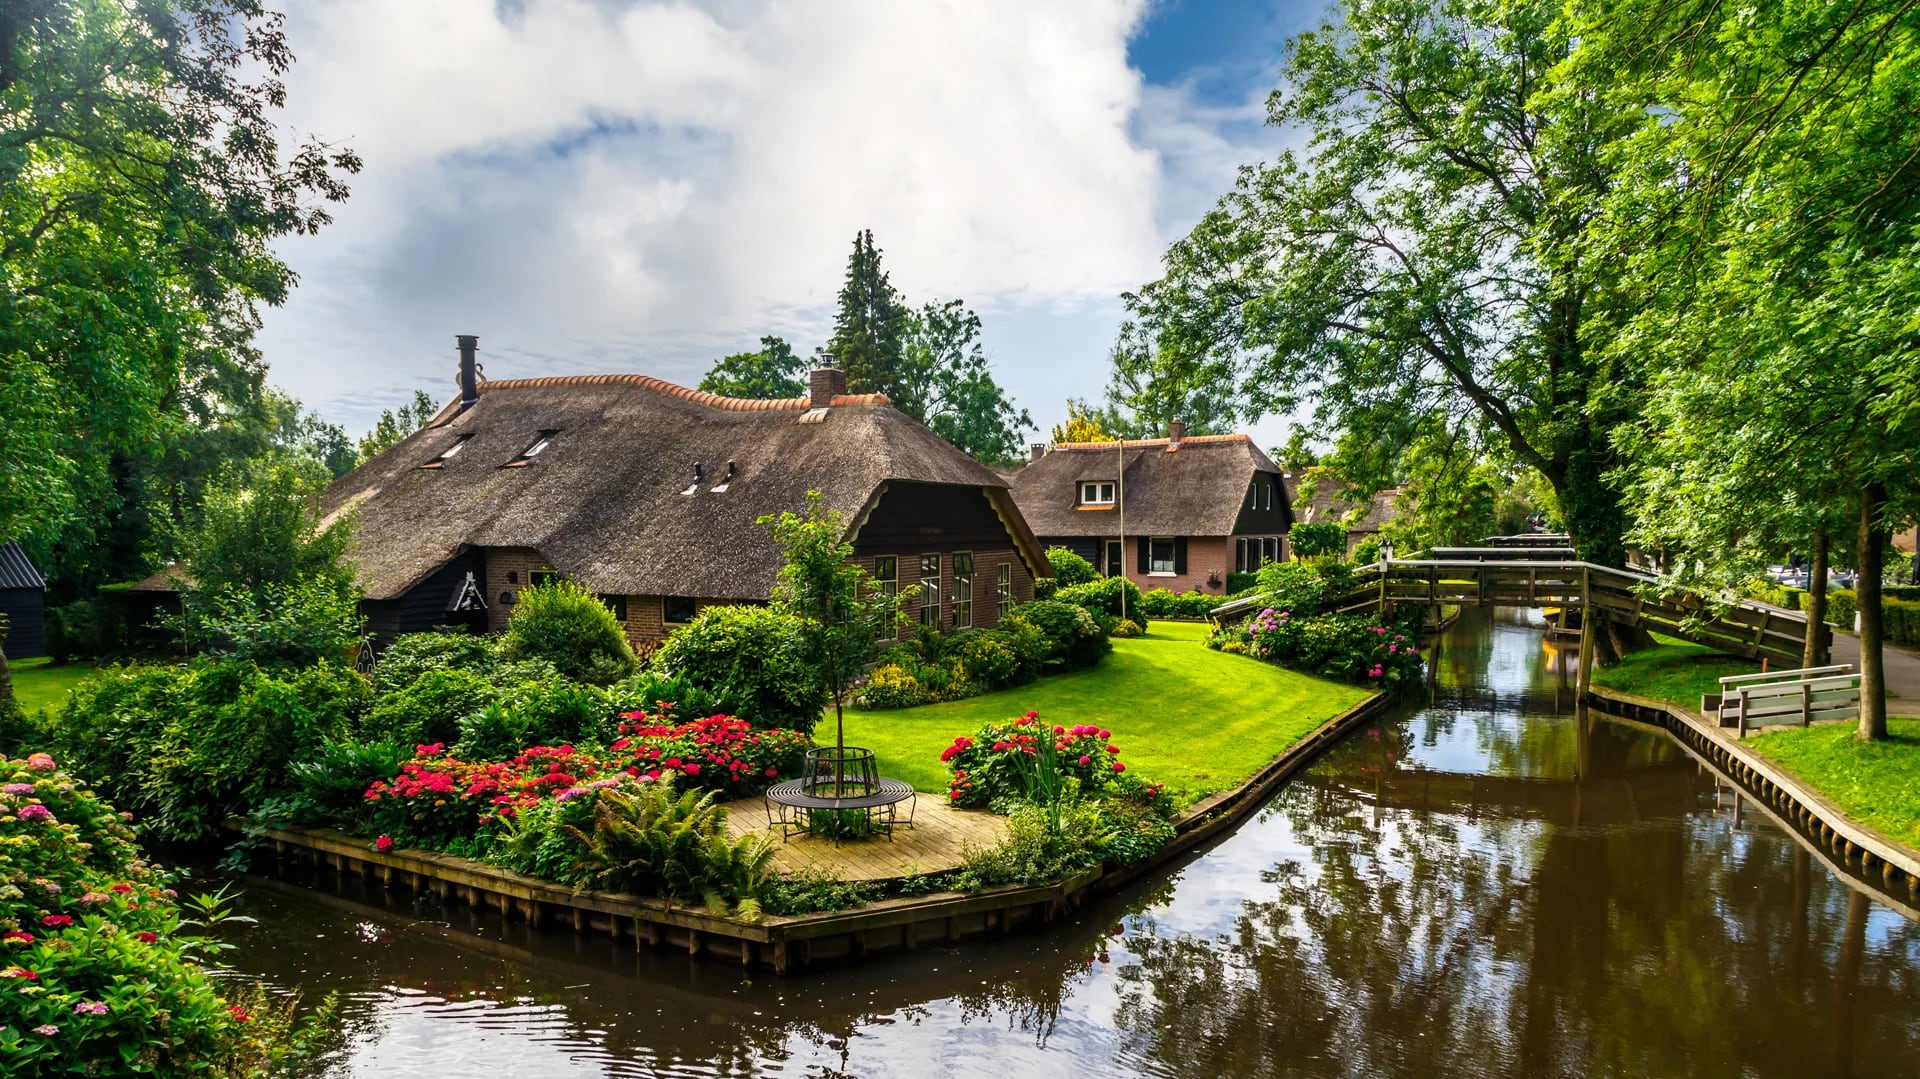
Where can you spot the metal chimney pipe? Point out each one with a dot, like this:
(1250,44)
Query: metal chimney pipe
(469,374)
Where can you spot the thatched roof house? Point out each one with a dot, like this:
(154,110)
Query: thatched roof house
(649,494)
(1331,500)
(1194,507)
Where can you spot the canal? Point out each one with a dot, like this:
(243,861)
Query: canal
(1486,884)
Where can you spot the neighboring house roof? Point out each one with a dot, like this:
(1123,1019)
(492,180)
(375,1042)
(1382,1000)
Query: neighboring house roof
(16,571)
(604,499)
(1333,501)
(1195,489)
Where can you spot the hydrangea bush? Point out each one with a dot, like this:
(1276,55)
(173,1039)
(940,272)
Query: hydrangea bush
(986,766)
(1352,648)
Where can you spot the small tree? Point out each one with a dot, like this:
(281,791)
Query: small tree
(569,627)
(844,614)
(1317,540)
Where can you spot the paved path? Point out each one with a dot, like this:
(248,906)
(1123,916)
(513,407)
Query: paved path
(1903,672)
(939,837)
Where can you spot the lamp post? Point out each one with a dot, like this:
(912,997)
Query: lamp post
(1386,552)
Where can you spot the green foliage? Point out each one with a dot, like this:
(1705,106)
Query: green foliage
(945,383)
(755,657)
(567,626)
(1242,582)
(1673,670)
(1304,588)
(1022,758)
(185,747)
(1366,552)
(1191,606)
(105,961)
(1352,648)
(1842,605)
(870,327)
(1039,848)
(289,625)
(840,616)
(1070,569)
(541,711)
(330,786)
(85,629)
(658,693)
(933,666)
(645,839)
(814,891)
(414,654)
(396,425)
(1127,627)
(1073,638)
(773,372)
(430,708)
(1325,540)
(1109,599)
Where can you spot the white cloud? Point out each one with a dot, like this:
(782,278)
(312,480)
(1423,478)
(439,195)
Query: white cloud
(599,186)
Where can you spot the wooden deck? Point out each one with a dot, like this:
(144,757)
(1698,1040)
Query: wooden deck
(935,843)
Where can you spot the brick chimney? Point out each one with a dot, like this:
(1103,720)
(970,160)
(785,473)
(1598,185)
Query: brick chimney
(469,370)
(1035,451)
(825,384)
(1176,430)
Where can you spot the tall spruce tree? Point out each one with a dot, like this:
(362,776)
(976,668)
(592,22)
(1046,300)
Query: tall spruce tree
(869,332)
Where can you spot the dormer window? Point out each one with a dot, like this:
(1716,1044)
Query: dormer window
(1096,493)
(448,453)
(532,451)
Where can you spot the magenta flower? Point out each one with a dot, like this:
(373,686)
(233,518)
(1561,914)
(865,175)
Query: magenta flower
(57,921)
(40,762)
(93,1008)
(1086,761)
(18,788)
(383,844)
(35,812)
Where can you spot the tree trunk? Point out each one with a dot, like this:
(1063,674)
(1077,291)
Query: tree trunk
(1873,675)
(1815,654)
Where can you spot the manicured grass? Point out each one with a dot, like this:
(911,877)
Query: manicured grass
(1875,783)
(1181,713)
(38,684)
(1676,671)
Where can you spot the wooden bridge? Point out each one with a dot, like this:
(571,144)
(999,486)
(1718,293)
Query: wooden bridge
(1493,578)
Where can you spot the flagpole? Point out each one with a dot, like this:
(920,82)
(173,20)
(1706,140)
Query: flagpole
(1120,496)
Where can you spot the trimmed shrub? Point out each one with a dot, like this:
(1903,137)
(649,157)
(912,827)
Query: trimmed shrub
(1193,606)
(1841,606)
(1074,639)
(1902,621)
(1070,569)
(1127,627)
(1106,598)
(943,667)
(754,657)
(1366,552)
(569,627)
(1304,588)
(430,707)
(414,654)
(1324,540)
(1241,582)
(893,686)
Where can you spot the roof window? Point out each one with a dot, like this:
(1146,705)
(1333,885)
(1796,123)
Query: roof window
(1096,493)
(527,455)
(448,453)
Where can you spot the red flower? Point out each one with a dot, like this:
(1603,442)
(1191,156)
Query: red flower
(123,889)
(383,844)
(18,935)
(238,1013)
(146,938)
(1113,749)
(1118,767)
(57,921)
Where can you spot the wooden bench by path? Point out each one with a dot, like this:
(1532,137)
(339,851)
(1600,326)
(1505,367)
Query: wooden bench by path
(1804,696)
(936,842)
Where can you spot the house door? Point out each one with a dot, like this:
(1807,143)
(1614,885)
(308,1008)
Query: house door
(1116,558)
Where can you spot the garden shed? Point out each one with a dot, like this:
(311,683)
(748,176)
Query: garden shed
(23,603)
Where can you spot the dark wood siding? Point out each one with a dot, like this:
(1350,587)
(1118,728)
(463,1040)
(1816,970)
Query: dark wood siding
(915,517)
(424,606)
(26,611)
(1264,519)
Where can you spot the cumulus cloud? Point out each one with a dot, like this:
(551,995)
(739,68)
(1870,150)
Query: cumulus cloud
(645,186)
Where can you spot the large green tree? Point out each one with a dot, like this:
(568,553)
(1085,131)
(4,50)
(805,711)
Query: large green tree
(871,325)
(946,384)
(142,184)
(1418,262)
(773,372)
(394,425)
(1767,229)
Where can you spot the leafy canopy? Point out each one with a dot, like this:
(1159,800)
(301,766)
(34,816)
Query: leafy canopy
(772,373)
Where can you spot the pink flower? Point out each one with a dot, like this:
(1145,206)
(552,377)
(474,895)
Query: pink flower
(1033,715)
(1118,767)
(1086,760)
(1105,735)
(1113,749)
(57,921)
(94,1008)
(383,844)
(35,812)
(18,788)
(431,750)
(47,1029)
(19,972)
(40,762)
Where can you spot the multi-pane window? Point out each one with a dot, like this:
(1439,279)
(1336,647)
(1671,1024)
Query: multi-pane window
(1160,555)
(930,590)
(1270,549)
(1096,493)
(1240,555)
(886,574)
(675,610)
(962,589)
(616,604)
(1003,586)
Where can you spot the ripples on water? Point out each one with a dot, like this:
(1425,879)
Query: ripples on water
(1486,885)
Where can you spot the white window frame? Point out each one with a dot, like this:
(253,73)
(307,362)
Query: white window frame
(1172,557)
(962,597)
(1003,587)
(930,590)
(1091,492)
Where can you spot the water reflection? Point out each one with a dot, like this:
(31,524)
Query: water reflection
(1488,885)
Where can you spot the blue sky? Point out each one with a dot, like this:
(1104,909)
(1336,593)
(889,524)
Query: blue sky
(594,185)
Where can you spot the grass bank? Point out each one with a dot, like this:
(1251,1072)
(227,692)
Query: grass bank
(1677,672)
(1181,713)
(1875,783)
(38,684)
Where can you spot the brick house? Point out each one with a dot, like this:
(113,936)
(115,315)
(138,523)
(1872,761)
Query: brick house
(1179,512)
(648,493)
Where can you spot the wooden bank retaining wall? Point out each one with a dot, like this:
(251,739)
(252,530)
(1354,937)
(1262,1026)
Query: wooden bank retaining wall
(784,943)
(1859,849)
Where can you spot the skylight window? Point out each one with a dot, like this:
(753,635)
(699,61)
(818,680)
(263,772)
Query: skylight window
(448,453)
(1096,493)
(532,451)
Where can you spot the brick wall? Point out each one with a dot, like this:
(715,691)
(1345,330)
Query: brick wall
(985,592)
(509,569)
(1206,555)
(646,620)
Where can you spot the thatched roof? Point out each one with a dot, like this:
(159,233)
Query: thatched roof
(1333,500)
(606,500)
(1194,489)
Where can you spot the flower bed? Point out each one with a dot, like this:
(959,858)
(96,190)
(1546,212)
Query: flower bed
(1352,648)
(987,767)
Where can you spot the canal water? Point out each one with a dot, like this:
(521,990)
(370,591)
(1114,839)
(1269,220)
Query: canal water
(1486,884)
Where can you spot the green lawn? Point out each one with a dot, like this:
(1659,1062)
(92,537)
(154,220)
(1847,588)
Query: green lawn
(1676,671)
(1181,713)
(1876,783)
(38,684)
